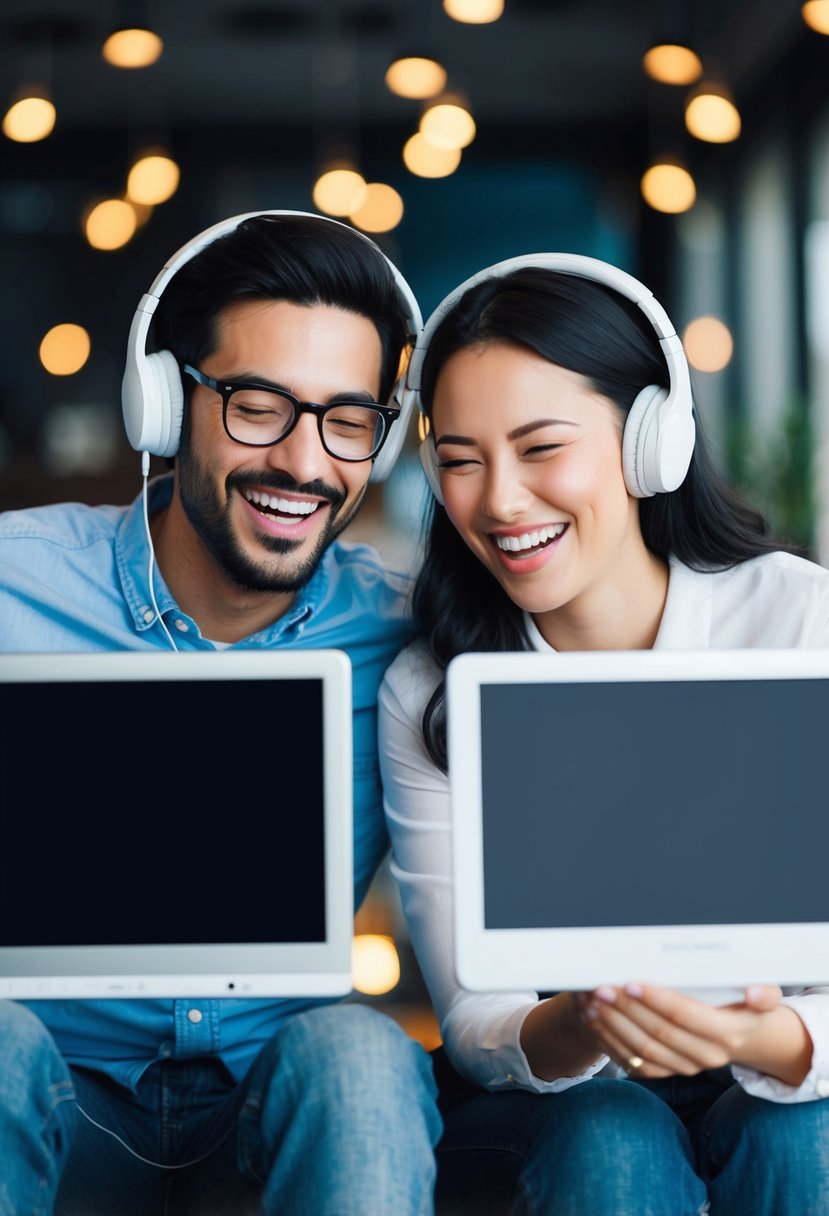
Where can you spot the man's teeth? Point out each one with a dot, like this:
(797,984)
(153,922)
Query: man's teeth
(529,540)
(283,506)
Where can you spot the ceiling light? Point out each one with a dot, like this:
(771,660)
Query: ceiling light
(672,63)
(448,124)
(132,48)
(708,344)
(816,15)
(426,159)
(668,186)
(380,210)
(474,12)
(153,178)
(416,76)
(30,118)
(64,349)
(711,115)
(339,191)
(110,224)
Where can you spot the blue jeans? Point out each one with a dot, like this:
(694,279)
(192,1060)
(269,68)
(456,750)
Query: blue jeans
(337,1117)
(678,1147)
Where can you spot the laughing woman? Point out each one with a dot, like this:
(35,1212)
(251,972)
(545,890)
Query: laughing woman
(576,509)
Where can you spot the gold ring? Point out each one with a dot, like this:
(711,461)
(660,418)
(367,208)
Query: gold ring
(634,1063)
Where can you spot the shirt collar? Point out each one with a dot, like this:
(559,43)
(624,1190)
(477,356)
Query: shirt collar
(686,617)
(133,558)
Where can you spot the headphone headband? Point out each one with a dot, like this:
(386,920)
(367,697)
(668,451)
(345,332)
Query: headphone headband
(659,430)
(151,393)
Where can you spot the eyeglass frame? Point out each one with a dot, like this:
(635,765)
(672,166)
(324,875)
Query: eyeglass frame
(226,389)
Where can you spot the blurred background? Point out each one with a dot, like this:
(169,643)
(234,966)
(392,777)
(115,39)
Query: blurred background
(688,142)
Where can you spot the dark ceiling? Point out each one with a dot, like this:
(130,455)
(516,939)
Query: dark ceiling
(321,63)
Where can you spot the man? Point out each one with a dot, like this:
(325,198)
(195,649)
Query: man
(280,336)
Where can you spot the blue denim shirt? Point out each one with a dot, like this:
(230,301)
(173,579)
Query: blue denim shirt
(75,578)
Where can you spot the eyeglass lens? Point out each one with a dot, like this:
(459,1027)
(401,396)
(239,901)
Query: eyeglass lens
(349,431)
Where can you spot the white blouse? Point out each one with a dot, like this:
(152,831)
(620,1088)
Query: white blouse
(774,601)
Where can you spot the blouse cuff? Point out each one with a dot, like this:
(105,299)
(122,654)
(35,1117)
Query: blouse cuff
(504,1066)
(813,1011)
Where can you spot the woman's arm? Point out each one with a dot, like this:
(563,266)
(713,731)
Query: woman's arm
(482,1032)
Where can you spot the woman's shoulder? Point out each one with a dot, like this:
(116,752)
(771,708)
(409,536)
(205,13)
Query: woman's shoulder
(776,599)
(780,570)
(412,677)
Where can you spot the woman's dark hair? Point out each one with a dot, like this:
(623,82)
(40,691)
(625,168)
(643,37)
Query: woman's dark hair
(590,329)
(302,259)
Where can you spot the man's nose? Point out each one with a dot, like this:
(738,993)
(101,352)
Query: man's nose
(301,454)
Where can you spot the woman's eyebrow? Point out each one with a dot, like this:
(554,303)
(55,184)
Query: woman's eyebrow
(521,431)
(518,433)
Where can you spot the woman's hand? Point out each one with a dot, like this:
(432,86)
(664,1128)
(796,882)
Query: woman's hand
(658,1032)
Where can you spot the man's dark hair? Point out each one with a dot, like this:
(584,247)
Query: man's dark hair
(302,259)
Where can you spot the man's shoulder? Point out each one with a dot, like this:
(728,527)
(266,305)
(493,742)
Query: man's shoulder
(361,568)
(69,524)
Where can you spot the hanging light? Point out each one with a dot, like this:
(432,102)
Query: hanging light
(448,123)
(672,63)
(64,349)
(473,12)
(816,15)
(708,344)
(711,115)
(416,77)
(30,117)
(134,47)
(110,224)
(153,178)
(380,209)
(668,186)
(339,190)
(425,159)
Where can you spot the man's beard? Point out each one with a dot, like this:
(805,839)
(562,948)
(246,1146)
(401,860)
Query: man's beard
(211,520)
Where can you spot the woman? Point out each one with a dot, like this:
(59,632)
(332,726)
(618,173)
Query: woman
(576,508)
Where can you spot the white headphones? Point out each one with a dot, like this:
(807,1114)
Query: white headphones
(152,395)
(659,434)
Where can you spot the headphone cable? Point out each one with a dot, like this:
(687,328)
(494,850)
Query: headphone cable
(145,472)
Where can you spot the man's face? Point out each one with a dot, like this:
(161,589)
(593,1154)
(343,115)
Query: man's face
(266,515)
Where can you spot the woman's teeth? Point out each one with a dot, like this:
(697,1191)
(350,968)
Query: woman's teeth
(529,540)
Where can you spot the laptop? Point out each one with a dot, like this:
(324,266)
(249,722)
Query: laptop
(176,825)
(660,816)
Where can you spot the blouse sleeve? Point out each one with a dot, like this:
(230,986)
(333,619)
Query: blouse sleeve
(480,1031)
(812,1007)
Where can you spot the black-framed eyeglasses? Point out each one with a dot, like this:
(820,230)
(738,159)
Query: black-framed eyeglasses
(260,416)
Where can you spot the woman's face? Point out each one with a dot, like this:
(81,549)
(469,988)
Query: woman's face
(530,470)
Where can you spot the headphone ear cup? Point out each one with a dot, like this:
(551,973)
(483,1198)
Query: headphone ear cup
(166,409)
(646,406)
(427,461)
(386,458)
(152,400)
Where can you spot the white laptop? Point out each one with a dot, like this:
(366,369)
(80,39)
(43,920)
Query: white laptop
(176,824)
(660,816)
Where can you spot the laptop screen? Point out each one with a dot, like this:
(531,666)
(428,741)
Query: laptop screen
(641,814)
(179,816)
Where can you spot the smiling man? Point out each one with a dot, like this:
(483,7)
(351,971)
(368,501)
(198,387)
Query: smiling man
(277,343)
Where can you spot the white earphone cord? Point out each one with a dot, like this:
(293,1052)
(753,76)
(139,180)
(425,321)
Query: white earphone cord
(145,472)
(158,1164)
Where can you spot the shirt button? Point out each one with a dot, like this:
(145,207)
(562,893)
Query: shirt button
(147,614)
(822,1089)
(182,626)
(194,1015)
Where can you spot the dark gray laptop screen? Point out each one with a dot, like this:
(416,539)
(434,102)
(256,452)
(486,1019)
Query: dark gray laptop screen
(638,803)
